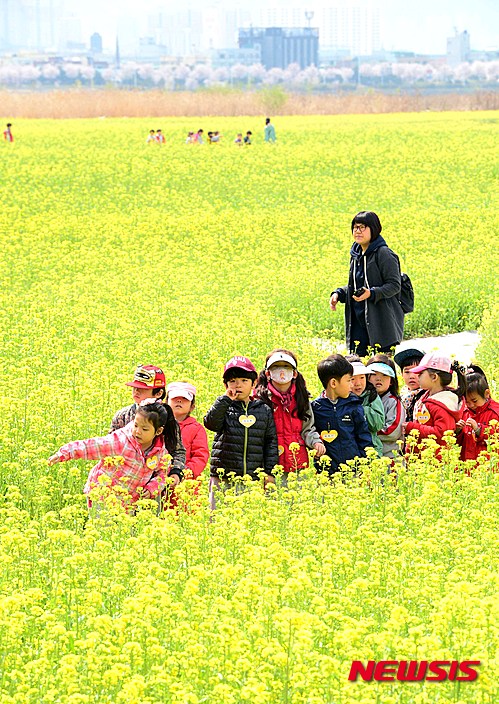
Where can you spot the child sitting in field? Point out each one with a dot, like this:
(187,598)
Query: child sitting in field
(246,438)
(384,379)
(148,382)
(373,405)
(339,415)
(140,450)
(407,360)
(474,427)
(181,397)
(440,407)
(283,389)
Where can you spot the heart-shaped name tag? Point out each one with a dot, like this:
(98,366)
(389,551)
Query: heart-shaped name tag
(280,449)
(329,435)
(152,462)
(247,421)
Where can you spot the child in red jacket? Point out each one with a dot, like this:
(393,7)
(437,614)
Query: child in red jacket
(440,407)
(474,428)
(283,388)
(181,397)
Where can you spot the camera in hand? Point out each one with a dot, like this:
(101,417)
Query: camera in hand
(359,291)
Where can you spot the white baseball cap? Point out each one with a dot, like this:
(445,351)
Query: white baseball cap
(280,357)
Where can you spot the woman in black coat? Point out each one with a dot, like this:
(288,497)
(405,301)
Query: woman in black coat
(373,318)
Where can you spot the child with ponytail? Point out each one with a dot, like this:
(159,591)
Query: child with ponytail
(440,408)
(140,452)
(282,387)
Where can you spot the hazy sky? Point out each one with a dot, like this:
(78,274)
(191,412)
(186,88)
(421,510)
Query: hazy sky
(412,25)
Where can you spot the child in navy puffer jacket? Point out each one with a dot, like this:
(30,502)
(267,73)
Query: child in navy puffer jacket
(339,415)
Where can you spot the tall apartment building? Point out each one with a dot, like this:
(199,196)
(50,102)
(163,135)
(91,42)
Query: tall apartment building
(352,27)
(29,24)
(458,48)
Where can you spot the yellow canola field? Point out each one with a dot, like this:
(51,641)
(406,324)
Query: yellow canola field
(114,253)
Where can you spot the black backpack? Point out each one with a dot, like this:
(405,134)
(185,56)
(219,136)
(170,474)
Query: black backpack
(406,295)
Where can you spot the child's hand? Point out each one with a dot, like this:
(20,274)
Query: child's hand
(269,479)
(460,424)
(173,480)
(52,460)
(231,393)
(471,423)
(320,449)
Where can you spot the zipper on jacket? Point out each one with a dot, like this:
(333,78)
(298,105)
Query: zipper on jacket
(245,442)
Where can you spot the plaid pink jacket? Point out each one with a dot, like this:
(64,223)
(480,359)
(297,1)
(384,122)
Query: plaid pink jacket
(143,475)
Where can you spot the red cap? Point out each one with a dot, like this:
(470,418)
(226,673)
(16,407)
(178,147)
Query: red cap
(240,363)
(148,377)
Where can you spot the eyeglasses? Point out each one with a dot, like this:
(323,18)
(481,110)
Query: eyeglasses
(359,228)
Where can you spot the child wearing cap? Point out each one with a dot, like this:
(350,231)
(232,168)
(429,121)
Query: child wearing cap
(245,434)
(283,388)
(181,397)
(474,429)
(373,405)
(440,407)
(381,371)
(148,382)
(339,415)
(409,394)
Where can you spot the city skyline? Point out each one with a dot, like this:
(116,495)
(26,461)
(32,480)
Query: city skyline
(421,27)
(359,26)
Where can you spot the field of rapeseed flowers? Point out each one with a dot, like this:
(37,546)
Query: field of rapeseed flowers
(115,253)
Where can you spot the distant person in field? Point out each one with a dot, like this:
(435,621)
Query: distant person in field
(269,132)
(198,137)
(216,137)
(151,137)
(160,137)
(148,382)
(190,138)
(7,133)
(247,138)
(374,319)
(239,139)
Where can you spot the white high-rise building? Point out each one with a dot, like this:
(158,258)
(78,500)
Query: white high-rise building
(30,24)
(354,27)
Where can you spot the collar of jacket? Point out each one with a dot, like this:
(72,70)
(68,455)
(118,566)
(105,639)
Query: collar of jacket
(356,250)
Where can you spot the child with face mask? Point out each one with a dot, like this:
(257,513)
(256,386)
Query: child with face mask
(283,388)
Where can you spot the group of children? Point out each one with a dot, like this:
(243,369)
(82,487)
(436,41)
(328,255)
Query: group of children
(267,419)
(198,137)
(155,137)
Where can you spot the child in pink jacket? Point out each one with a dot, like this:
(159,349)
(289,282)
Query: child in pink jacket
(181,397)
(141,453)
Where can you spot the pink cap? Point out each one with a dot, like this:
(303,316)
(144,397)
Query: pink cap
(240,363)
(181,388)
(433,360)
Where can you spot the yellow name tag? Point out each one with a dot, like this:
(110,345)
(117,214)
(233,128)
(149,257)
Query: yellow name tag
(329,435)
(247,421)
(152,462)
(422,416)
